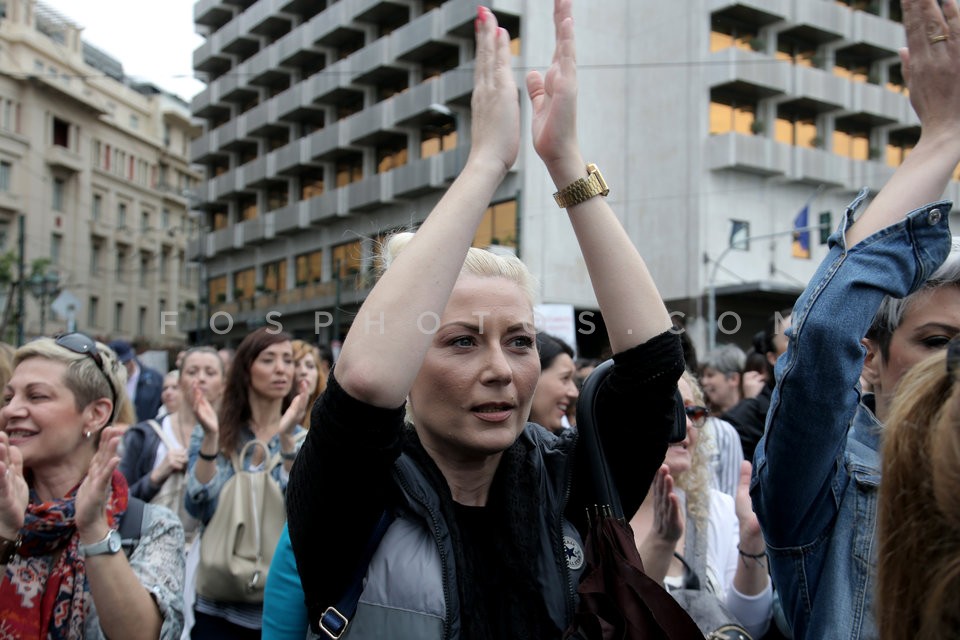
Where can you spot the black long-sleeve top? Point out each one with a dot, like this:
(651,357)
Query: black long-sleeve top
(341,481)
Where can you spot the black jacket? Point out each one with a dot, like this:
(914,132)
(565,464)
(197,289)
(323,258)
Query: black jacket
(149,388)
(140,444)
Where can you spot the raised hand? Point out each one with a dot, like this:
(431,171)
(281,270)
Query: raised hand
(753,383)
(931,64)
(174,462)
(554,96)
(14,493)
(295,413)
(202,409)
(751,540)
(94,491)
(667,519)
(495,107)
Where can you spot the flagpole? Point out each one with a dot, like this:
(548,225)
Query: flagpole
(712,285)
(712,281)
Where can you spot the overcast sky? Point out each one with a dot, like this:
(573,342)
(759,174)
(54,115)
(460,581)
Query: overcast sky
(153,40)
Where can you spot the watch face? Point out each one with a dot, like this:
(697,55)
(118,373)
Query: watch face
(114,542)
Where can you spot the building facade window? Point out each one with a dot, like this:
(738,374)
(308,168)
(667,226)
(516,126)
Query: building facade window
(217,290)
(59,186)
(96,209)
(347,259)
(740,235)
(93,311)
(118,316)
(56,246)
(275,276)
(244,284)
(498,226)
(309,267)
(122,216)
(96,256)
(5,170)
(120,272)
(727,115)
(61,133)
(164,265)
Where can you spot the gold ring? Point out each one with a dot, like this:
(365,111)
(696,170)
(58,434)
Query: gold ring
(936,39)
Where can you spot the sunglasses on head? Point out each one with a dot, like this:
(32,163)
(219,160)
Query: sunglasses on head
(85,345)
(697,414)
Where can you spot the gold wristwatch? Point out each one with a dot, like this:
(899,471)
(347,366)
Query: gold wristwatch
(582,189)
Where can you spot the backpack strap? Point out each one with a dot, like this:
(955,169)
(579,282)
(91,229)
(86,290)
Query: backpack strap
(277,458)
(335,620)
(131,524)
(162,435)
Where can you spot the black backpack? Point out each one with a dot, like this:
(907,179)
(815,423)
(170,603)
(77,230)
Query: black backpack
(131,525)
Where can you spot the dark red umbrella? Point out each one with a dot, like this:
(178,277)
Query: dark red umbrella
(618,601)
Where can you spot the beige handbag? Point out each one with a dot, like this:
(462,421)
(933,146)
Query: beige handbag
(237,545)
(173,489)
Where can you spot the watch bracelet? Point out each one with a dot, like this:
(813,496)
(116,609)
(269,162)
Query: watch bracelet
(580,190)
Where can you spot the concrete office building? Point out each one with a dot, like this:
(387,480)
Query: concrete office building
(95,167)
(714,122)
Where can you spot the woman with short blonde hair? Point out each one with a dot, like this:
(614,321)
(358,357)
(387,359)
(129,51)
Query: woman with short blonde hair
(62,501)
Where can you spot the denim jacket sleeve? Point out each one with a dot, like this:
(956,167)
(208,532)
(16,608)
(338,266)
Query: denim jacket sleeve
(799,471)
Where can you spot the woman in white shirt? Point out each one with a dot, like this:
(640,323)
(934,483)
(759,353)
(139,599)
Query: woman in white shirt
(695,538)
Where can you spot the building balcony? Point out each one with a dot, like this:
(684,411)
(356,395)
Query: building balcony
(234,87)
(423,38)
(757,12)
(753,154)
(209,59)
(762,75)
(227,184)
(9,203)
(884,106)
(292,218)
(880,33)
(828,20)
(266,18)
(817,166)
(212,13)
(63,158)
(821,88)
(265,68)
(290,157)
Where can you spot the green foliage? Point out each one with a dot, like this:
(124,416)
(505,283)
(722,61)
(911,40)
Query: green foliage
(8,267)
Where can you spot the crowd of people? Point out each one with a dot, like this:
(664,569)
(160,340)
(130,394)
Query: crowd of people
(427,481)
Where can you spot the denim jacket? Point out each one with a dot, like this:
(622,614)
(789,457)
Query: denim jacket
(817,468)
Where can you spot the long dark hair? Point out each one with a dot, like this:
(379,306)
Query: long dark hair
(235,411)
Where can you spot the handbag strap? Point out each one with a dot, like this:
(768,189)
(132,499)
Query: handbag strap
(603,490)
(164,438)
(335,620)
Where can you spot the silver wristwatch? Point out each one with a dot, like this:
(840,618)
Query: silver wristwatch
(109,545)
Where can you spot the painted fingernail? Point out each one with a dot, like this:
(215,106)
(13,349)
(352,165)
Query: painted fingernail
(481,14)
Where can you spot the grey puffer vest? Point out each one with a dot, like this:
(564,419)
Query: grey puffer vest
(411,584)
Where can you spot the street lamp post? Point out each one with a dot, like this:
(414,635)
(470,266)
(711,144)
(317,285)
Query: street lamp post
(44,287)
(712,281)
(198,217)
